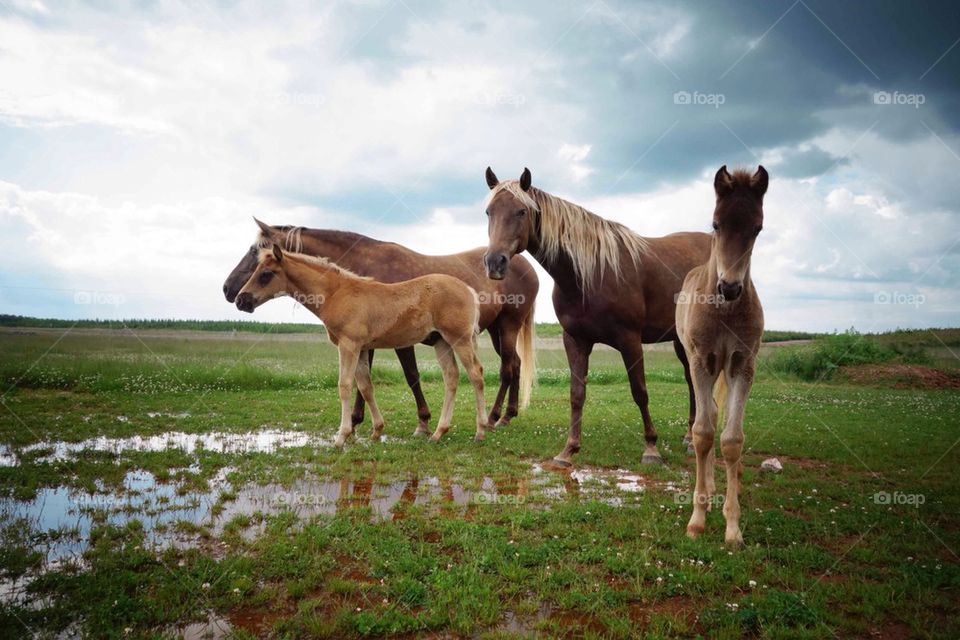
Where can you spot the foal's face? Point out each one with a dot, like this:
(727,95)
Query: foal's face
(267,282)
(737,221)
(508,226)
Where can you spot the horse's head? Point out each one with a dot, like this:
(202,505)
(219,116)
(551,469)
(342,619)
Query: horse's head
(737,220)
(510,213)
(247,265)
(267,281)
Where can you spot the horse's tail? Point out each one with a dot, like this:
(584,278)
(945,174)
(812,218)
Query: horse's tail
(720,396)
(528,357)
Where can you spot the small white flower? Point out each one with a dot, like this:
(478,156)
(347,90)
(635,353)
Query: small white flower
(752,583)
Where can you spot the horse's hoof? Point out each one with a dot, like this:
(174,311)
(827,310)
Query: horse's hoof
(502,422)
(651,458)
(479,438)
(694,530)
(561,464)
(420,434)
(690,450)
(434,438)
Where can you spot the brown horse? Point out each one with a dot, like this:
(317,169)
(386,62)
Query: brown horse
(362,314)
(720,323)
(611,286)
(506,308)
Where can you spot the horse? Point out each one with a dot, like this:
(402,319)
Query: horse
(361,314)
(611,286)
(720,323)
(506,308)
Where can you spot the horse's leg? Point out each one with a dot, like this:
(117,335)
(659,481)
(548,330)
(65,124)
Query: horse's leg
(703,432)
(731,444)
(578,357)
(365,387)
(682,356)
(510,370)
(495,339)
(408,362)
(348,369)
(451,378)
(357,416)
(466,349)
(632,354)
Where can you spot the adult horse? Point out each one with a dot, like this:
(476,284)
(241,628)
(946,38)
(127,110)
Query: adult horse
(611,286)
(506,308)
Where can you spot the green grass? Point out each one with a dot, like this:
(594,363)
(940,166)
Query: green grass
(824,558)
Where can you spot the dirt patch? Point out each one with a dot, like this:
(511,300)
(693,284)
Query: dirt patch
(678,607)
(901,376)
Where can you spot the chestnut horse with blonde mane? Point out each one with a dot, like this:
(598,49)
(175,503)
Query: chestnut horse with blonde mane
(506,307)
(611,286)
(720,323)
(361,314)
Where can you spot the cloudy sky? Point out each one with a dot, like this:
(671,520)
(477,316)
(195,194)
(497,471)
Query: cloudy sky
(136,142)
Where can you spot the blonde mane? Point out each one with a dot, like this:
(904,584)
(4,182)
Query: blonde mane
(321,264)
(292,240)
(593,243)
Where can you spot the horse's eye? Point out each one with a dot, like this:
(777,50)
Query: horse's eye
(487,212)
(716,226)
(265,277)
(521,213)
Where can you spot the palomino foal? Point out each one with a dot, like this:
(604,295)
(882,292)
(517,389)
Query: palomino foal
(361,314)
(720,323)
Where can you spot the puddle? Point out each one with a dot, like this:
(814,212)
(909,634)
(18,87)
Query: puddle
(58,521)
(265,441)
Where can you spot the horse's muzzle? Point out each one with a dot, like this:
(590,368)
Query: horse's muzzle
(229,293)
(245,302)
(730,290)
(496,264)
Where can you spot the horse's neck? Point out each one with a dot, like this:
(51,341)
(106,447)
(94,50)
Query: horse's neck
(560,266)
(335,245)
(307,281)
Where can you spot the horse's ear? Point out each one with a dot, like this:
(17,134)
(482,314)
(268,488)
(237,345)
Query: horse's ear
(267,230)
(723,182)
(277,253)
(525,179)
(759,181)
(492,180)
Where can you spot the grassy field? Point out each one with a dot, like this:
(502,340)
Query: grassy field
(120,537)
